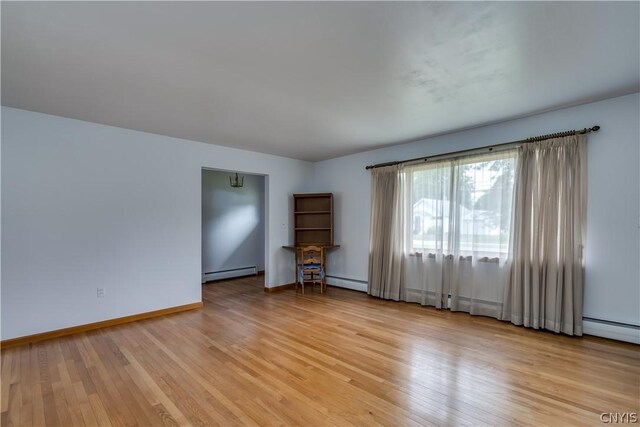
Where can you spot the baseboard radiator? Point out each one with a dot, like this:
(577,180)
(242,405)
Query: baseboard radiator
(230,273)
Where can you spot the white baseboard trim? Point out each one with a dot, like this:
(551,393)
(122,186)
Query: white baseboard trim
(614,331)
(343,282)
(229,274)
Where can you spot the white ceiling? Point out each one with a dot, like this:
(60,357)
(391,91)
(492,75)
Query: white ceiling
(313,80)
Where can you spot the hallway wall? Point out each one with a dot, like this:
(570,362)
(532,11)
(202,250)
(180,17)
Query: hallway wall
(232,222)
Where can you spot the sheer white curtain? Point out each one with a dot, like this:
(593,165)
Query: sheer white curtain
(457,245)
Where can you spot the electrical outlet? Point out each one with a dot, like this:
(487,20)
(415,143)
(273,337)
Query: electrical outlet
(101,292)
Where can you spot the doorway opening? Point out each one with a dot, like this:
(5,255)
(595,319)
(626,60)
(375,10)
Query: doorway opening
(234,225)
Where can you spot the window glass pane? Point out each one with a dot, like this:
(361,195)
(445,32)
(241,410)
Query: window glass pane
(463,206)
(485,216)
(430,203)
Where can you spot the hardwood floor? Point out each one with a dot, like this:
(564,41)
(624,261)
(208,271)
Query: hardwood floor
(342,358)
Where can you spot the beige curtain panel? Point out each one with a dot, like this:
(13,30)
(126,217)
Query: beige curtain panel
(545,288)
(498,235)
(386,239)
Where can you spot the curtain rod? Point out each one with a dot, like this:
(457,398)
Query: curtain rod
(491,147)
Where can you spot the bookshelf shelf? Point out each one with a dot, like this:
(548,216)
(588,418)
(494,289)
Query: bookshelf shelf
(313,216)
(312,228)
(312,212)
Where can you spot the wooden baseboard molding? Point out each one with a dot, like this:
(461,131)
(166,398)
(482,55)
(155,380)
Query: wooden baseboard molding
(97,325)
(280,288)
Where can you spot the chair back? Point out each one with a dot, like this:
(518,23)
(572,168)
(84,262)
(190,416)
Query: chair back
(312,256)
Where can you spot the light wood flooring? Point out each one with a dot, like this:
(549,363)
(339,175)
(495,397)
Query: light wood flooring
(341,358)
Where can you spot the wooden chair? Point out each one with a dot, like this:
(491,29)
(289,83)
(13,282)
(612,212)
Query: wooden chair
(311,268)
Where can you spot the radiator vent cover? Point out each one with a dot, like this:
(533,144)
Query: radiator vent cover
(228,274)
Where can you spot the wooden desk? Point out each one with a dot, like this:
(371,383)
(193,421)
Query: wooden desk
(297,252)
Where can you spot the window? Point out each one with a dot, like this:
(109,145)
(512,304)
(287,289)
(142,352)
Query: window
(462,206)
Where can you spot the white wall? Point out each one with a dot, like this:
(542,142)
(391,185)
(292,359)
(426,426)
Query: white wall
(612,290)
(232,222)
(86,206)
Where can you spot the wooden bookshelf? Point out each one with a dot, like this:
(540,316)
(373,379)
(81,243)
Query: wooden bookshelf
(313,219)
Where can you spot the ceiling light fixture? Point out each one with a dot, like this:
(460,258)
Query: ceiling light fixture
(237,182)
